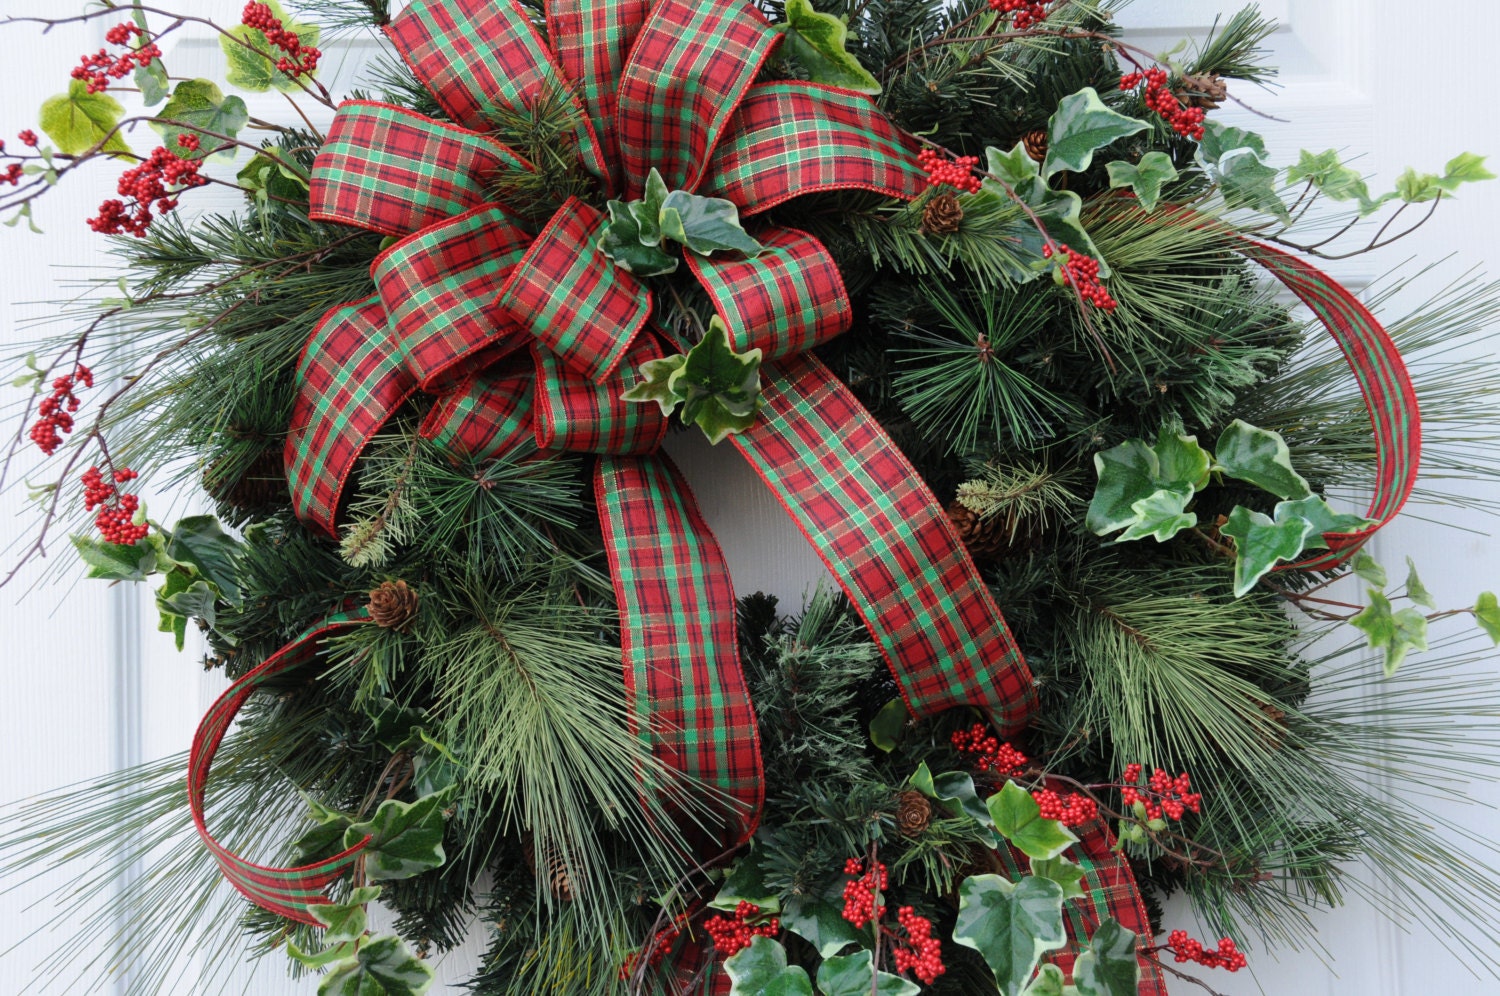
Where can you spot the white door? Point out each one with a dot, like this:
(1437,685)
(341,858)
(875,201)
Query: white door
(89,686)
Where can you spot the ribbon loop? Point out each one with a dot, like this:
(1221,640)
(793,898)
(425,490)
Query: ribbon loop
(789,298)
(488,416)
(395,171)
(592,41)
(577,414)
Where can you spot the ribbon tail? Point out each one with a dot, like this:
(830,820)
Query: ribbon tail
(884,537)
(285,891)
(687,694)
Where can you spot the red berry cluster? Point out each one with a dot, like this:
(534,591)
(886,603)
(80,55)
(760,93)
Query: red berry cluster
(298,60)
(989,754)
(101,67)
(1163,793)
(956,173)
(147,186)
(116,510)
(1028,12)
(660,944)
(1226,956)
(1081,271)
(733,935)
(1185,121)
(28,138)
(55,413)
(859,892)
(1073,811)
(921,954)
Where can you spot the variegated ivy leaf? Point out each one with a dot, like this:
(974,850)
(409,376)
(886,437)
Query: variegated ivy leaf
(1018,817)
(1050,981)
(1395,633)
(1159,516)
(1415,589)
(746,882)
(1081,126)
(1328,174)
(819,920)
(718,389)
(655,383)
(381,967)
(1260,457)
(1011,925)
(1060,211)
(1062,871)
(1134,472)
(762,970)
(954,791)
(1221,141)
(633,239)
(1323,517)
(855,975)
(705,224)
(252,58)
(344,922)
(629,248)
(1109,967)
(1419,188)
(1368,568)
(818,43)
(1145,179)
(406,839)
(1261,542)
(198,107)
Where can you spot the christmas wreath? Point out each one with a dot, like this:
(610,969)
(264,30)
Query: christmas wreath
(980,293)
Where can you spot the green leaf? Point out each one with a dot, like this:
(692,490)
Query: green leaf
(647,212)
(623,242)
(1260,542)
(1146,178)
(1335,180)
(257,72)
(1062,871)
(116,561)
(746,882)
(820,923)
(887,725)
(1464,168)
(343,922)
(761,970)
(326,837)
(720,388)
(1415,589)
(1487,614)
(189,597)
(201,107)
(323,958)
(1395,633)
(1161,516)
(1248,183)
(1010,924)
(1321,516)
(153,82)
(1061,212)
(1418,188)
(1221,140)
(267,177)
(77,121)
(1081,126)
(705,224)
(1019,820)
(1261,457)
(955,792)
(817,42)
(855,975)
(1015,167)
(1368,568)
(200,542)
(382,967)
(1109,967)
(1134,472)
(406,838)
(1050,981)
(656,383)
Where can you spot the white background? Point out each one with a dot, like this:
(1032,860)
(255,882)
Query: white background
(86,686)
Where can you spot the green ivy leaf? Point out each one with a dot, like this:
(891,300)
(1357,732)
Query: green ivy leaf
(1050,981)
(188,597)
(267,177)
(647,211)
(1134,472)
(1368,568)
(855,975)
(1415,589)
(705,224)
(116,561)
(1161,516)
(406,838)
(1249,184)
(257,73)
(954,791)
(1060,211)
(202,544)
(746,882)
(1081,126)
(821,923)
(1418,188)
(1062,871)
(1109,967)
(1261,542)
(1464,168)
(323,958)
(201,107)
(656,379)
(818,43)
(1395,633)
(1487,614)
(719,387)
(382,967)
(761,970)
(77,121)
(1333,179)
(624,243)
(1010,924)
(1261,457)
(344,922)
(326,837)
(1221,141)
(1322,516)
(1019,820)
(887,725)
(1146,178)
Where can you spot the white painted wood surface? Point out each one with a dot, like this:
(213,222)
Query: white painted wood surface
(89,686)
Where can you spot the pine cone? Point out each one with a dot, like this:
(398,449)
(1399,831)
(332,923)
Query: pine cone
(393,605)
(942,214)
(913,813)
(986,539)
(1206,91)
(559,879)
(1036,144)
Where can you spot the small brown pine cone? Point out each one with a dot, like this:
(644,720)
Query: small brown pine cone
(985,539)
(393,605)
(942,214)
(913,813)
(1205,91)
(1036,144)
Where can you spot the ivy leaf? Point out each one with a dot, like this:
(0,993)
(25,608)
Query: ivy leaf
(1418,188)
(887,725)
(820,923)
(1133,472)
(955,792)
(1081,126)
(1050,981)
(1464,168)
(656,378)
(382,967)
(1019,820)
(116,561)
(202,544)
(1333,179)
(761,970)
(267,177)
(1415,589)
(1060,211)
(647,211)
(1146,178)
(1010,924)
(320,959)
(624,244)
(817,42)
(1015,167)
(326,837)
(1322,516)
(1062,871)
(1221,141)
(1248,183)
(1260,542)
(406,838)
(201,106)
(152,77)
(344,922)
(1161,516)
(1261,457)
(188,597)
(719,387)
(1368,568)
(77,121)
(855,975)
(747,883)
(253,71)
(1487,614)
(1393,632)
(705,224)
(1109,967)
